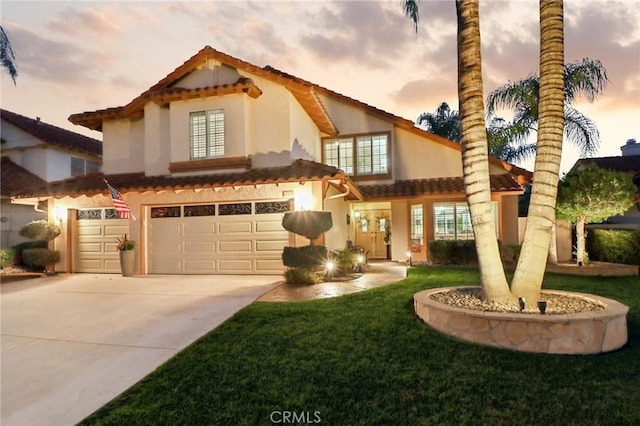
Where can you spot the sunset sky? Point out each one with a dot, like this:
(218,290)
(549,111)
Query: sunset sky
(82,56)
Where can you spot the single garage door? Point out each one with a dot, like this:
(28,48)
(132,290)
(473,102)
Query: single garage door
(221,238)
(96,236)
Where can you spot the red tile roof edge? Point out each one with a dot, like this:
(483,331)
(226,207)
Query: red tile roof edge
(53,135)
(299,170)
(15,177)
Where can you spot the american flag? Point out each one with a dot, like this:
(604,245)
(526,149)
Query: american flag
(119,205)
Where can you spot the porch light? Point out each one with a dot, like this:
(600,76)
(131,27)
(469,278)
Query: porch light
(302,200)
(357,214)
(59,213)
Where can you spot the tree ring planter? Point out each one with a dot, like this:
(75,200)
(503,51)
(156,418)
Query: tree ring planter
(127,262)
(590,332)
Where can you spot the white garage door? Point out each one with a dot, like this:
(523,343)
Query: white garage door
(96,235)
(222,238)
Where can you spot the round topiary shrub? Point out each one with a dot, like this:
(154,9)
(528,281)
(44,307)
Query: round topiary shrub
(40,258)
(301,276)
(40,230)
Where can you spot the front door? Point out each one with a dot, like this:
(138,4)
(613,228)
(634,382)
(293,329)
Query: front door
(372,232)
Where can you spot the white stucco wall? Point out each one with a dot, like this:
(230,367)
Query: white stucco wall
(336,237)
(157,140)
(419,158)
(123,146)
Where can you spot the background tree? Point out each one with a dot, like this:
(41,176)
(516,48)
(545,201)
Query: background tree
(586,78)
(591,194)
(444,122)
(7,55)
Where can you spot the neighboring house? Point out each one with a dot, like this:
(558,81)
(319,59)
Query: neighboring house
(628,163)
(14,216)
(211,157)
(34,153)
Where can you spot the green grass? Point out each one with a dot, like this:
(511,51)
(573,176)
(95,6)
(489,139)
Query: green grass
(365,359)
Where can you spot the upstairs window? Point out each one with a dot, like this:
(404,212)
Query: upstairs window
(339,153)
(80,166)
(360,155)
(206,133)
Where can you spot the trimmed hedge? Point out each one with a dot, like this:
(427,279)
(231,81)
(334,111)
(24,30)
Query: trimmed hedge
(301,276)
(40,257)
(453,252)
(12,256)
(304,257)
(40,230)
(614,245)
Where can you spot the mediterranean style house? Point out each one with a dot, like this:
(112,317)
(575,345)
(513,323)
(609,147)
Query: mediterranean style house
(34,153)
(210,158)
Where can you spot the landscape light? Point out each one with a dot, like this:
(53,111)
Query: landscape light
(521,303)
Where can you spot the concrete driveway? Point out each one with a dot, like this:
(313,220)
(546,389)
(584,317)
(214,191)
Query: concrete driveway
(71,343)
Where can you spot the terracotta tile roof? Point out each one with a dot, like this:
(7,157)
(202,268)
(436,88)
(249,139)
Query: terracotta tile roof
(420,187)
(299,170)
(53,135)
(14,178)
(630,163)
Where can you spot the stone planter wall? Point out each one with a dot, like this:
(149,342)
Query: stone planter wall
(582,333)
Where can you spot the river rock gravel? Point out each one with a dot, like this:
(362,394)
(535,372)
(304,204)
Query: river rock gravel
(471,298)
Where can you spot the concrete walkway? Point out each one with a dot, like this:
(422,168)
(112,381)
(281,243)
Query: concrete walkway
(377,273)
(71,343)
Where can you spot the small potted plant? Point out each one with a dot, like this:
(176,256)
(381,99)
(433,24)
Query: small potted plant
(125,248)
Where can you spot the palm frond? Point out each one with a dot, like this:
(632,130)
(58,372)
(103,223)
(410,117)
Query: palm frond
(519,95)
(581,131)
(7,55)
(587,78)
(410,9)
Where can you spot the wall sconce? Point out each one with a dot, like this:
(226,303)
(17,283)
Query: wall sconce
(60,213)
(357,214)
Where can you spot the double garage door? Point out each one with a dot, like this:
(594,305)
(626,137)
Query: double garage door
(221,238)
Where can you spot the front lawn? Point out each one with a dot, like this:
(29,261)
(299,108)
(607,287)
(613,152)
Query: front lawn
(365,359)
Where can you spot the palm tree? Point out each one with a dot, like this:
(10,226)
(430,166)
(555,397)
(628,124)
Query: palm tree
(444,122)
(475,152)
(475,149)
(7,55)
(527,279)
(586,78)
(529,272)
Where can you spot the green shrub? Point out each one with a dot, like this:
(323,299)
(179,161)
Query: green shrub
(12,256)
(6,257)
(614,245)
(40,230)
(453,252)
(304,257)
(38,258)
(343,260)
(301,276)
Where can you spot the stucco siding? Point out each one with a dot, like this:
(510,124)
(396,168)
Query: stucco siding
(212,73)
(418,158)
(509,219)
(349,119)
(336,237)
(157,139)
(123,146)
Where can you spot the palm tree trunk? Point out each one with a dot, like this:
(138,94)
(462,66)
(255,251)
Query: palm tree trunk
(527,280)
(553,245)
(475,160)
(580,239)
